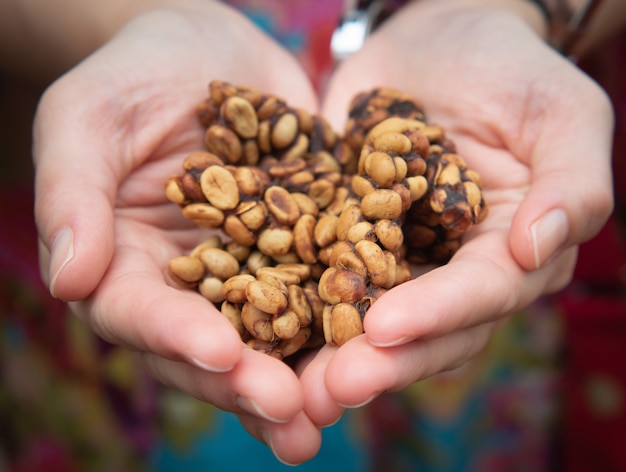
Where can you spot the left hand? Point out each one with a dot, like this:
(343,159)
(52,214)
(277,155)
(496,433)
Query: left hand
(539,133)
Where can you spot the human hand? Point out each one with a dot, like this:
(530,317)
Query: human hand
(539,133)
(107,136)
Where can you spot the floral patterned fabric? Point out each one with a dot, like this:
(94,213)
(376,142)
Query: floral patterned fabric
(547,394)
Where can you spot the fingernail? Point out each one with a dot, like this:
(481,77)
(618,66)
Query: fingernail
(207,367)
(253,408)
(267,438)
(548,234)
(359,405)
(61,253)
(393,343)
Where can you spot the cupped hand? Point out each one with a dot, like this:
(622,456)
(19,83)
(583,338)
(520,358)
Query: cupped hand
(106,137)
(539,133)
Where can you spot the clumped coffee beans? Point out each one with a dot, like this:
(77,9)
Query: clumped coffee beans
(313,227)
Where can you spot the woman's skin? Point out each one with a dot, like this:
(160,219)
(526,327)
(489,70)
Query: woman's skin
(117,123)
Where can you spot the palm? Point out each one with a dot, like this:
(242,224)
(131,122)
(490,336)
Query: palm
(497,91)
(135,129)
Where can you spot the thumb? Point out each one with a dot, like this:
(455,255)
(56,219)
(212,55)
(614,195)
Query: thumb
(74,197)
(570,196)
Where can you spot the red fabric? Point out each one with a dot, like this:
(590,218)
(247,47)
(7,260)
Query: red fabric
(594,312)
(595,383)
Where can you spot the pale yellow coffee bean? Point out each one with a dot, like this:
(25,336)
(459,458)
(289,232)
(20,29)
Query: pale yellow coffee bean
(393,142)
(284,131)
(233,313)
(186,268)
(379,166)
(219,262)
(174,191)
(234,288)
(256,260)
(350,216)
(251,181)
(211,241)
(287,325)
(389,234)
(239,252)
(288,347)
(349,260)
(450,175)
(375,261)
(236,229)
(418,186)
(224,143)
(299,303)
(282,205)
(325,232)
(275,241)
(341,324)
(284,276)
(337,286)
(266,297)
(303,238)
(322,192)
(257,322)
(240,116)
(204,215)
(306,205)
(211,289)
(220,187)
(401,168)
(382,204)
(359,231)
(303,271)
(252,214)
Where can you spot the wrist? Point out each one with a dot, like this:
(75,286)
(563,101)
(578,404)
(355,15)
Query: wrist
(526,10)
(566,25)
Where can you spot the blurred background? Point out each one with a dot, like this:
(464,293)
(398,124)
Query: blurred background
(549,393)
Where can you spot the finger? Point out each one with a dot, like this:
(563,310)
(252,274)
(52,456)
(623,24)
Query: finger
(292,443)
(359,371)
(570,196)
(258,385)
(481,283)
(74,189)
(319,405)
(133,307)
